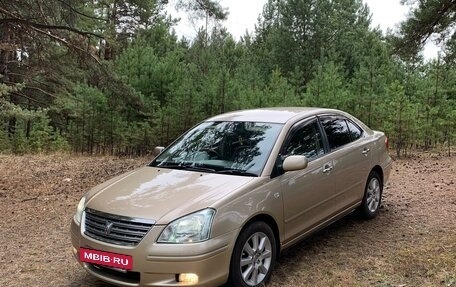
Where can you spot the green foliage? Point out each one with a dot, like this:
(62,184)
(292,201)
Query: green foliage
(399,124)
(203,8)
(43,138)
(428,18)
(278,92)
(7,108)
(111,77)
(328,88)
(294,33)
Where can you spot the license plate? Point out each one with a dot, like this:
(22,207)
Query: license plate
(104,258)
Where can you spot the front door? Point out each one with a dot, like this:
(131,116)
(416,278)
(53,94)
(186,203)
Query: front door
(308,194)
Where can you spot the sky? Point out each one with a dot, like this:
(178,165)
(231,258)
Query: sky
(243,15)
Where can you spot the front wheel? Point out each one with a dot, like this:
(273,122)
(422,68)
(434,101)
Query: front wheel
(370,205)
(253,256)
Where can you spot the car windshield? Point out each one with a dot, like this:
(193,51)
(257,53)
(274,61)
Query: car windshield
(238,148)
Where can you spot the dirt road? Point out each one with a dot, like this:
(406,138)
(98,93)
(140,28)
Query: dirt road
(411,243)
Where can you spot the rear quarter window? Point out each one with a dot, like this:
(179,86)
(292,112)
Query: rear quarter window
(355,131)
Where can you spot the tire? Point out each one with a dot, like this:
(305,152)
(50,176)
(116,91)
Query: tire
(253,256)
(372,199)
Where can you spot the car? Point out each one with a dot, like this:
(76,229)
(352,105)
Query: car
(222,201)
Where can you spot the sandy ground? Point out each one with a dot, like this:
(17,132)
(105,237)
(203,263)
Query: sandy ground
(411,243)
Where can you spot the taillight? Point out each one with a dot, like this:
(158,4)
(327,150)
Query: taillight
(386,142)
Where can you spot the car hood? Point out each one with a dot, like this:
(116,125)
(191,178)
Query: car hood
(162,194)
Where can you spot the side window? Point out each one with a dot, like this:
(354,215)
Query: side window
(306,140)
(355,131)
(337,131)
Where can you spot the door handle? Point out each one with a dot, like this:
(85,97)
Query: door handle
(327,168)
(366,151)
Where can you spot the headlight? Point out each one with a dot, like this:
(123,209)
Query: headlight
(79,210)
(195,227)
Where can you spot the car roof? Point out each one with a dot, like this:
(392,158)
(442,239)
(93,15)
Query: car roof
(271,115)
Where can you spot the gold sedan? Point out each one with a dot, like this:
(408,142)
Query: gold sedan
(220,203)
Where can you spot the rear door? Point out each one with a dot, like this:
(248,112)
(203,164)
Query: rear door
(350,147)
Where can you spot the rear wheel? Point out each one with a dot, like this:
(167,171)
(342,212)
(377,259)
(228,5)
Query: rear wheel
(370,205)
(253,256)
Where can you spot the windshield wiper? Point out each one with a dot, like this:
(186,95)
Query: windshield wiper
(190,167)
(199,168)
(237,172)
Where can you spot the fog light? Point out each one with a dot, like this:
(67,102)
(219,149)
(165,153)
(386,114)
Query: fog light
(190,278)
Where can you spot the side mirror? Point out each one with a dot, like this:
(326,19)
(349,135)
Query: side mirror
(294,162)
(157,150)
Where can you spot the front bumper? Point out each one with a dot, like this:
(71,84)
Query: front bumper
(157,264)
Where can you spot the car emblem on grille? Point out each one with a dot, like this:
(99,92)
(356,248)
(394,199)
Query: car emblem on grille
(108,227)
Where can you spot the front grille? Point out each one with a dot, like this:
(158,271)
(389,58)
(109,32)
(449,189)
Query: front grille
(115,229)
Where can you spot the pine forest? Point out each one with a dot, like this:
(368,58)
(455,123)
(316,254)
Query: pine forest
(113,77)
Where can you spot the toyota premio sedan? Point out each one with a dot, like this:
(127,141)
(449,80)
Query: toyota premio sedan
(220,203)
